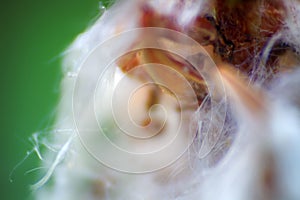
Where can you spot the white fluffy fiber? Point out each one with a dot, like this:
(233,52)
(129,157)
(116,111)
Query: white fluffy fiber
(238,157)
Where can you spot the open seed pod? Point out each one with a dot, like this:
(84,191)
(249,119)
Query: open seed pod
(176,100)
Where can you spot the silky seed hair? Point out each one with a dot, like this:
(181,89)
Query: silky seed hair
(242,157)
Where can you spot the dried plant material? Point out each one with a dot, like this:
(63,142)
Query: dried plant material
(192,99)
(243,94)
(244,28)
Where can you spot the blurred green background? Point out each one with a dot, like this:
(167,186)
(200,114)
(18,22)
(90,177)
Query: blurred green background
(34,33)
